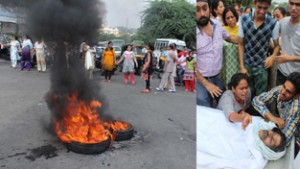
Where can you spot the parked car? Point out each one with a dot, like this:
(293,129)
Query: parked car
(5,53)
(139,54)
(118,51)
(98,56)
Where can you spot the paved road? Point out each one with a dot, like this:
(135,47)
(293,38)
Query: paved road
(165,125)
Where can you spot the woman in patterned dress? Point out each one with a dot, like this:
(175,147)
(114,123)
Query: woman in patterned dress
(128,64)
(189,73)
(14,51)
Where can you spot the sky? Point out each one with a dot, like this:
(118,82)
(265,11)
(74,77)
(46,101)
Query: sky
(125,13)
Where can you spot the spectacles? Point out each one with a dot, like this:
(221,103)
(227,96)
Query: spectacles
(294,3)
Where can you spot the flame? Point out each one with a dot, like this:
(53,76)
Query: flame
(119,125)
(80,122)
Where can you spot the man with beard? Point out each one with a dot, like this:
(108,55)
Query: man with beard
(289,60)
(255,32)
(210,36)
(287,97)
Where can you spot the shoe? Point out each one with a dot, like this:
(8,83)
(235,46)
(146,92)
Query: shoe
(133,82)
(186,90)
(158,89)
(194,91)
(173,91)
(109,81)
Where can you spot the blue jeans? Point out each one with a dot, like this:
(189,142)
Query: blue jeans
(203,97)
(180,72)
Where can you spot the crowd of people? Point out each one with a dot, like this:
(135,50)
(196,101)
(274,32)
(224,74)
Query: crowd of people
(180,65)
(24,52)
(259,60)
(129,64)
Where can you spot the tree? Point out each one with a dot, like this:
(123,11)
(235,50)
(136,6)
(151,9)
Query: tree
(169,19)
(241,2)
(105,37)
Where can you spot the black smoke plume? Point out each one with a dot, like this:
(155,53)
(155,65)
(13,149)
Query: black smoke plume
(65,24)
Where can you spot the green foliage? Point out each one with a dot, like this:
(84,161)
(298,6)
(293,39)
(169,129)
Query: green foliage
(275,4)
(241,2)
(126,37)
(169,19)
(105,37)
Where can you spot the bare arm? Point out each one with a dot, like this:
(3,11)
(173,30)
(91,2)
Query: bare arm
(241,50)
(277,120)
(260,104)
(146,65)
(270,60)
(121,59)
(243,117)
(233,39)
(136,63)
(286,58)
(103,56)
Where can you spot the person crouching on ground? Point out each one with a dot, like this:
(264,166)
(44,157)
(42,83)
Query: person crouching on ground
(236,100)
(287,99)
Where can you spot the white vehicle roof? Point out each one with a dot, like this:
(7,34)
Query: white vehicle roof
(165,42)
(171,41)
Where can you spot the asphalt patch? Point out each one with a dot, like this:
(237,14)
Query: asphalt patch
(47,151)
(17,154)
(11,156)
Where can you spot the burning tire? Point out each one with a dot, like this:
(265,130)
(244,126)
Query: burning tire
(125,134)
(95,148)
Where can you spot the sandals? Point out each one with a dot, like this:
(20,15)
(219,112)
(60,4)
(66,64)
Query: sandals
(145,91)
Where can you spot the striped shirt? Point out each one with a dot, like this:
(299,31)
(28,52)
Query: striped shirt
(289,110)
(210,50)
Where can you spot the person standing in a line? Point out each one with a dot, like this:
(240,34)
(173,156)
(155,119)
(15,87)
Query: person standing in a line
(108,61)
(128,64)
(26,53)
(147,68)
(168,70)
(14,51)
(39,47)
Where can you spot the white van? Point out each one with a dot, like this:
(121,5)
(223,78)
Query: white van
(164,43)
